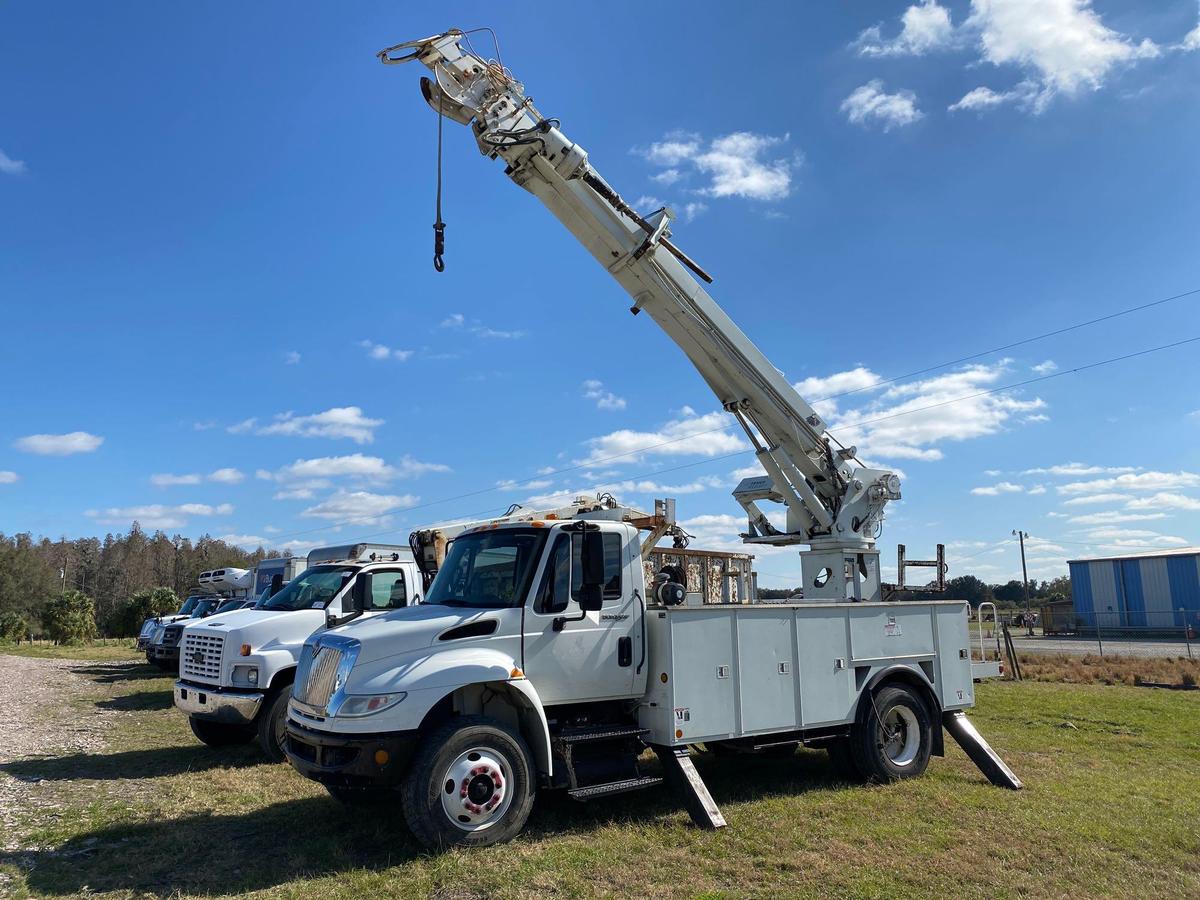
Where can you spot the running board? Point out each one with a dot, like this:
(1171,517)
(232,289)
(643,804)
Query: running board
(687,782)
(591,792)
(980,752)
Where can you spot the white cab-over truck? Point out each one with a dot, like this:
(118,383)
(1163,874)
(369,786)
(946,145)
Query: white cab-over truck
(236,669)
(541,658)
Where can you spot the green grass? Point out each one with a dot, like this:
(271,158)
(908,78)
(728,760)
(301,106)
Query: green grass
(108,648)
(1110,809)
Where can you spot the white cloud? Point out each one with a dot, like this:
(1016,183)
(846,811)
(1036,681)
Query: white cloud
(869,103)
(1112,517)
(1062,42)
(245,541)
(692,210)
(10,166)
(157,515)
(1191,41)
(1165,500)
(337,422)
(1141,481)
(733,165)
(982,98)
(380,351)
(316,472)
(907,421)
(995,490)
(59,444)
(594,390)
(647,202)
(454,320)
(7,477)
(1036,489)
(458,320)
(925,27)
(1077,470)
(168,480)
(1094,499)
(1045,368)
(359,506)
(291,358)
(688,435)
(537,484)
(298,493)
(227,476)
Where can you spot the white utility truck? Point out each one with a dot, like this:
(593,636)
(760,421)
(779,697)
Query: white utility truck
(236,669)
(541,657)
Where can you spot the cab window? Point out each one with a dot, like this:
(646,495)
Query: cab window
(566,565)
(387,590)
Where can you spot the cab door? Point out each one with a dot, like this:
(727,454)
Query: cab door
(569,658)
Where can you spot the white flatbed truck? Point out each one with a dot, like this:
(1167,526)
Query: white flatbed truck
(542,659)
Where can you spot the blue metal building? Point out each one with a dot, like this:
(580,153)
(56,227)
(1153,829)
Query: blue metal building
(1156,590)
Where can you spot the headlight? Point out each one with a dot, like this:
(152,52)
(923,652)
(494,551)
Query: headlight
(245,675)
(369,704)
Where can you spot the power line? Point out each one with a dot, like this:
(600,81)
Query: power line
(1028,381)
(1020,343)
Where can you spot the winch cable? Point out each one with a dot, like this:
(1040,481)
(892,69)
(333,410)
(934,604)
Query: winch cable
(439,227)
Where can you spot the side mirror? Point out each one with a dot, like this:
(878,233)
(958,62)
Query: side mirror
(276,584)
(591,589)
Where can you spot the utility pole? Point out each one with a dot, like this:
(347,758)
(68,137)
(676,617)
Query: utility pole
(1021,535)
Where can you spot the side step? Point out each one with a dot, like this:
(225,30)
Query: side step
(600,733)
(592,792)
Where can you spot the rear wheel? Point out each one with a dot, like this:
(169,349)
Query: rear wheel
(220,734)
(470,784)
(893,735)
(272,724)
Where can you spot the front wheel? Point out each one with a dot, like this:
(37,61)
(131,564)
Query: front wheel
(893,735)
(220,734)
(272,724)
(470,785)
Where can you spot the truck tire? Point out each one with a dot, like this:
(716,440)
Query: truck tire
(272,723)
(892,736)
(220,734)
(471,784)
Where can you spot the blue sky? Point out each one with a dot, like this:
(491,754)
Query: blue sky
(221,315)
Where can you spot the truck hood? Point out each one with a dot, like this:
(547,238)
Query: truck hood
(261,628)
(407,629)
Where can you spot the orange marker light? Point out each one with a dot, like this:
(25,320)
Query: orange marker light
(678,732)
(516,673)
(245,651)
(382,757)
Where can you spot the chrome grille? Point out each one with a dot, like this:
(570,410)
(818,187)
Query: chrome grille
(200,657)
(317,676)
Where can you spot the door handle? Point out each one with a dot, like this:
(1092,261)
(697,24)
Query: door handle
(625,651)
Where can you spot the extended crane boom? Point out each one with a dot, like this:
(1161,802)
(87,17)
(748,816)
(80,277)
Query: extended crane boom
(833,504)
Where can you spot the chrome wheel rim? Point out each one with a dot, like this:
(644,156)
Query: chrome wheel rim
(476,788)
(901,736)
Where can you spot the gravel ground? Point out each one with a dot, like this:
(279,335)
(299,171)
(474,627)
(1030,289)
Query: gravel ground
(39,718)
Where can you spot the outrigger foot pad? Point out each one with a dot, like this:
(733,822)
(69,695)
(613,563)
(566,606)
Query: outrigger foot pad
(980,752)
(683,777)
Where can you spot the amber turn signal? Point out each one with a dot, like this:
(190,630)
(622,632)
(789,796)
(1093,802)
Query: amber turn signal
(245,650)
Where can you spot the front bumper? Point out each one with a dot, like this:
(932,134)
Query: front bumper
(349,760)
(169,654)
(228,707)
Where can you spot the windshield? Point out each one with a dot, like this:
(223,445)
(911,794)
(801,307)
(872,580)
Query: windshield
(188,605)
(203,608)
(491,569)
(314,587)
(231,604)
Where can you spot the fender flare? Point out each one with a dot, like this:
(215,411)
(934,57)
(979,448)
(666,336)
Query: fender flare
(913,676)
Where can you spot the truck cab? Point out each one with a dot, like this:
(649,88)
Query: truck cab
(149,627)
(163,650)
(545,656)
(236,669)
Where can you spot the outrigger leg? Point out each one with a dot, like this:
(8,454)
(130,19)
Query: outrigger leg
(686,781)
(980,752)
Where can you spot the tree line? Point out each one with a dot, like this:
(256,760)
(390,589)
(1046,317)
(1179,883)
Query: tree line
(87,587)
(974,590)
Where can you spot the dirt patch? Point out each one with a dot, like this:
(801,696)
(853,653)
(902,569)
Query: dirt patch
(1095,669)
(42,714)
